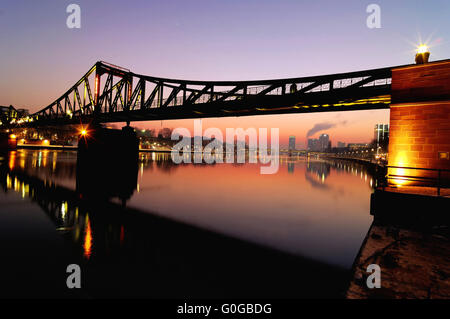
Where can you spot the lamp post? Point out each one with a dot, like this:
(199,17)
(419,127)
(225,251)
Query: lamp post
(422,54)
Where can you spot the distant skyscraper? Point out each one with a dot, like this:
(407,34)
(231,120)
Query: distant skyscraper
(321,144)
(340,144)
(324,141)
(313,144)
(381,133)
(291,143)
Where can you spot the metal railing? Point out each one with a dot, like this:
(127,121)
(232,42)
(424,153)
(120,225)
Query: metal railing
(428,181)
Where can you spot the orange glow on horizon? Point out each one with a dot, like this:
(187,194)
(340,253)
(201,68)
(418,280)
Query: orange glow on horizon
(348,127)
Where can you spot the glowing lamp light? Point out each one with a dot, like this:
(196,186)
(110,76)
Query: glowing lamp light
(399,174)
(83,132)
(13,136)
(45,142)
(422,48)
(423,54)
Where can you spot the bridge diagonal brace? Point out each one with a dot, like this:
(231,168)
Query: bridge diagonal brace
(311,86)
(364,81)
(105,91)
(152,96)
(194,96)
(88,88)
(68,105)
(231,93)
(270,89)
(77,97)
(172,95)
(59,107)
(118,95)
(131,103)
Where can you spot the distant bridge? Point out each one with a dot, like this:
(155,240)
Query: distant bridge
(109,93)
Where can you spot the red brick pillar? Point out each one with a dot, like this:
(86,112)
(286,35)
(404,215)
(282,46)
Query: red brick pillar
(419,133)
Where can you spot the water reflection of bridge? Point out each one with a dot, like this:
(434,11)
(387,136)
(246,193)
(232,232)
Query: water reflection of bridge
(141,250)
(63,168)
(154,257)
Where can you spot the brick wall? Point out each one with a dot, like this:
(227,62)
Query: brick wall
(419,132)
(420,117)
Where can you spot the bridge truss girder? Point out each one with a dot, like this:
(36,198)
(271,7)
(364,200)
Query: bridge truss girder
(119,95)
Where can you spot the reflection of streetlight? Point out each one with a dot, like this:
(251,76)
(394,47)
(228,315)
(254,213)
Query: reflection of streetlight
(422,54)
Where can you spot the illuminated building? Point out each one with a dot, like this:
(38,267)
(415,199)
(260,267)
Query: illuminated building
(381,134)
(291,143)
(324,142)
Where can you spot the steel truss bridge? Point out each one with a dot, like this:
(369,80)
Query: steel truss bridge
(109,93)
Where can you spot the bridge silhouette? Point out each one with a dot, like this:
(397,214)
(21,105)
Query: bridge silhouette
(109,93)
(418,96)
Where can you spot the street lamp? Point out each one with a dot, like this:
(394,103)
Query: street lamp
(422,54)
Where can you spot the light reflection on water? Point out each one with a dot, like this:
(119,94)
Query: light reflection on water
(313,208)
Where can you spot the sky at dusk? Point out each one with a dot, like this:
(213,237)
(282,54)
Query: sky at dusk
(216,40)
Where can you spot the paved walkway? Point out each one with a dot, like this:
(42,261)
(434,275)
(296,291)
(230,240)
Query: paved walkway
(414,264)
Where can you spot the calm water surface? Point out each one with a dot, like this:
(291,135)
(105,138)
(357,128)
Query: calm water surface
(160,229)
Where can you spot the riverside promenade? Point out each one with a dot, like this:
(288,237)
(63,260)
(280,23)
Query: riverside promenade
(409,239)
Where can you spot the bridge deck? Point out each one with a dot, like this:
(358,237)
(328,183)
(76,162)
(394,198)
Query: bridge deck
(108,93)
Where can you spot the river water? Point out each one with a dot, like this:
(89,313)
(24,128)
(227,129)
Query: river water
(159,229)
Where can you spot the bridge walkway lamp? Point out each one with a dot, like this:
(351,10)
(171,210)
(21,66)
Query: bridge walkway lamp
(422,54)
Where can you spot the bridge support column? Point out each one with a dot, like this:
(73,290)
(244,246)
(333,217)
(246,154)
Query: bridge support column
(104,143)
(419,134)
(8,141)
(107,163)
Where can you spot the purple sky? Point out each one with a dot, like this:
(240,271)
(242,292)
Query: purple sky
(215,40)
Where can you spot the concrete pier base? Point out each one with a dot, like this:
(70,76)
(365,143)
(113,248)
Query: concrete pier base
(409,209)
(107,163)
(7,142)
(102,142)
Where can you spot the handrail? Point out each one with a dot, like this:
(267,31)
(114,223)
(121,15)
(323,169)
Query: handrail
(420,168)
(437,179)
